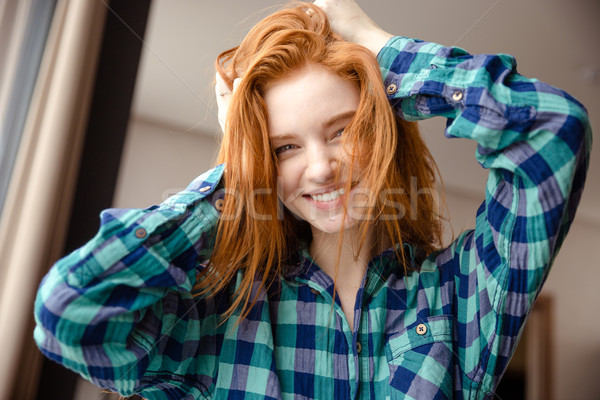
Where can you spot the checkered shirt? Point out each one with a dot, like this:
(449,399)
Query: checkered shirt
(121,312)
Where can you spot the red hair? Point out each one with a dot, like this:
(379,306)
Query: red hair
(254,234)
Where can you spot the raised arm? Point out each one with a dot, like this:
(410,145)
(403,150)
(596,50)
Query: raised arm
(535,140)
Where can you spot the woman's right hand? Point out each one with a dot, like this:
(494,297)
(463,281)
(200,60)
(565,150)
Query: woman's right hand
(349,21)
(223,94)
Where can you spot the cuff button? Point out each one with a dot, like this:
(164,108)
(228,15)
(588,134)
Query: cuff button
(140,233)
(457,96)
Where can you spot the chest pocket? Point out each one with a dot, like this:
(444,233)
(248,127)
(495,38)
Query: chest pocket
(420,360)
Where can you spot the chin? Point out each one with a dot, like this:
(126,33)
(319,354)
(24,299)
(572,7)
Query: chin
(332,225)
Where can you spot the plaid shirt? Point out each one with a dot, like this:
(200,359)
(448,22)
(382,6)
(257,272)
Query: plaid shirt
(120,310)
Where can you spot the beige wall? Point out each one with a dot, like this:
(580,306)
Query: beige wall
(158,159)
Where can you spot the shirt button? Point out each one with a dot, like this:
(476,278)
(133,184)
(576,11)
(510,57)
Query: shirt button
(205,189)
(140,233)
(219,204)
(314,291)
(421,329)
(392,88)
(358,348)
(457,96)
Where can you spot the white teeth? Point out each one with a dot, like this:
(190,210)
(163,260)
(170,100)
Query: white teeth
(328,196)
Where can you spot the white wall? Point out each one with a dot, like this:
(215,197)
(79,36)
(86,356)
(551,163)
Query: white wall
(160,160)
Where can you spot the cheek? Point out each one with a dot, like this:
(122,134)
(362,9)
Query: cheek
(288,180)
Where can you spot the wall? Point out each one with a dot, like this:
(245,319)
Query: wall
(160,160)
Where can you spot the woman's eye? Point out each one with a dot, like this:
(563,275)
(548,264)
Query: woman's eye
(339,133)
(284,148)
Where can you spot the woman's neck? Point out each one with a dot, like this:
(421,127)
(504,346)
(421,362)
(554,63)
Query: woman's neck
(353,257)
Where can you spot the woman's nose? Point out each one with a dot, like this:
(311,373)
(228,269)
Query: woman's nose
(321,163)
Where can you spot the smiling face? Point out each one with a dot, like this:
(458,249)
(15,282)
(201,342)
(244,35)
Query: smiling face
(308,112)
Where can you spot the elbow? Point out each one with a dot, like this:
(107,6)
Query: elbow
(47,335)
(57,322)
(48,326)
(579,122)
(575,130)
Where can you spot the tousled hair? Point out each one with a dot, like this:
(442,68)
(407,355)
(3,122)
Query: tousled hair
(254,234)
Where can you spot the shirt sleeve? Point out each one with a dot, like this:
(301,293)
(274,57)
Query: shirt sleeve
(120,310)
(535,140)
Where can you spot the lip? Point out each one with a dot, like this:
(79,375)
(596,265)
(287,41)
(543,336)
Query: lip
(330,204)
(324,190)
(326,205)
(329,188)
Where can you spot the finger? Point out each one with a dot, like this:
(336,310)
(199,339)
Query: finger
(221,90)
(236,83)
(221,87)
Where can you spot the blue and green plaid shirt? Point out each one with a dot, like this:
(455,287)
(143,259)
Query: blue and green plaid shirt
(120,310)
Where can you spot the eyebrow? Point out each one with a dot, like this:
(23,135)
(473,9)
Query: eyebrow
(340,117)
(345,116)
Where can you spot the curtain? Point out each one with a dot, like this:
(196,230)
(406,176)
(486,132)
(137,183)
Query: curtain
(38,199)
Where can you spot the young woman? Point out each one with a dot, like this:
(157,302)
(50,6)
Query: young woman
(308,264)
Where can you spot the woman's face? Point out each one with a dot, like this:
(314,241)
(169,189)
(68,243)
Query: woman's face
(308,112)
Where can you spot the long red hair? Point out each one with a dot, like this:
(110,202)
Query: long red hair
(255,235)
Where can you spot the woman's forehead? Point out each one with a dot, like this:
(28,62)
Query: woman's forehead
(309,96)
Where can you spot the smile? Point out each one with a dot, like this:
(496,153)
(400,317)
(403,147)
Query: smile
(328,196)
